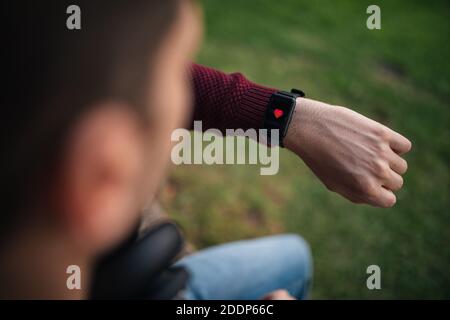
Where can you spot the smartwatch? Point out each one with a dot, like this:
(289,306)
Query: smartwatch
(279,112)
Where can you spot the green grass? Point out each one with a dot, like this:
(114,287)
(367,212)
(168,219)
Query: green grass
(400,76)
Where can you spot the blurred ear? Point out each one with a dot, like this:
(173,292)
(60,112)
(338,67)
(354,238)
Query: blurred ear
(101,170)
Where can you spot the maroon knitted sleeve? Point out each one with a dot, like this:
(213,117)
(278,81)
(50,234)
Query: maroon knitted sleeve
(227,101)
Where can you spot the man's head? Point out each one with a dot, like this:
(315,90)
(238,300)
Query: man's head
(87,114)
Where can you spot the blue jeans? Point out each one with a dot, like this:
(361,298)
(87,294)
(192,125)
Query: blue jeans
(249,269)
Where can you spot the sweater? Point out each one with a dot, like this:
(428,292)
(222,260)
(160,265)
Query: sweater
(227,101)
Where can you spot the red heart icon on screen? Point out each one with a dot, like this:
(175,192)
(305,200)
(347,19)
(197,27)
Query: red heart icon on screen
(278,113)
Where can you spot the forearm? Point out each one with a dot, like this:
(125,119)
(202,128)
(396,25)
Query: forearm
(351,154)
(227,101)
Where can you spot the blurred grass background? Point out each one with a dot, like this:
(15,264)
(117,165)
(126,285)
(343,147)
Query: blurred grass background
(400,76)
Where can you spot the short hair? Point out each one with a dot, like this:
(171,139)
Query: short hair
(52,74)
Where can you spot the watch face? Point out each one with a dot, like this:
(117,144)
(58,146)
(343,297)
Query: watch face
(280,110)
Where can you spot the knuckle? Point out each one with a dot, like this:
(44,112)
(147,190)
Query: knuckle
(378,164)
(389,202)
(397,184)
(400,183)
(381,146)
(405,166)
(400,166)
(367,186)
(381,132)
(385,173)
(385,201)
(408,146)
(381,168)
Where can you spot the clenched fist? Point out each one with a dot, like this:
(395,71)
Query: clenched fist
(352,155)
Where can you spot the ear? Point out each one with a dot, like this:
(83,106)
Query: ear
(101,174)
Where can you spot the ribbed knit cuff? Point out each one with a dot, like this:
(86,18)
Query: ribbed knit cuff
(253,106)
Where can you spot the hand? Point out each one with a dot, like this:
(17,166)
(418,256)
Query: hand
(278,295)
(351,154)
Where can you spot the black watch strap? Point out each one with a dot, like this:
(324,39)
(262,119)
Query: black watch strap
(279,113)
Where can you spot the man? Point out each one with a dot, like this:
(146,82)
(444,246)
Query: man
(86,125)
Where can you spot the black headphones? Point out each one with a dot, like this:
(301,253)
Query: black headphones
(141,268)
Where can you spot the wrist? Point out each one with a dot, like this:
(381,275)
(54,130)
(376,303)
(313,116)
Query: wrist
(306,121)
(294,132)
